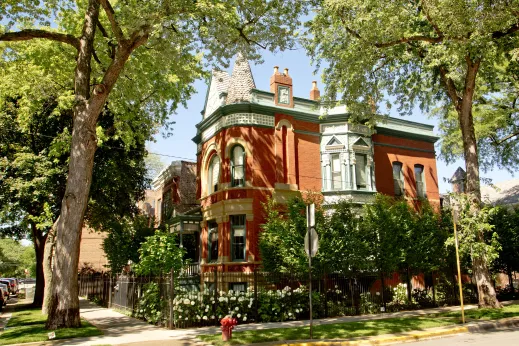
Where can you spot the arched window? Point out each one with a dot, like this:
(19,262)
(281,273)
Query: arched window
(398,178)
(238,166)
(420,181)
(213,174)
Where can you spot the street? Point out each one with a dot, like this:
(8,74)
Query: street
(504,337)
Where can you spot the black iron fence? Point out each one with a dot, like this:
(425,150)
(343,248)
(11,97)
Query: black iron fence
(202,299)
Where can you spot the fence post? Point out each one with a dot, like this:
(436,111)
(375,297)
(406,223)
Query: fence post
(325,289)
(433,288)
(215,295)
(171,297)
(383,289)
(408,277)
(110,292)
(256,295)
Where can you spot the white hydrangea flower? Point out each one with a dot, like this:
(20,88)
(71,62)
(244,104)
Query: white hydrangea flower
(205,318)
(239,315)
(187,301)
(245,318)
(192,303)
(237,309)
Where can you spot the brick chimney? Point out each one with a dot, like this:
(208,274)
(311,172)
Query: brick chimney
(281,86)
(315,94)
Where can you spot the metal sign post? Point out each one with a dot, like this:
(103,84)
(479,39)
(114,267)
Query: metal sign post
(311,250)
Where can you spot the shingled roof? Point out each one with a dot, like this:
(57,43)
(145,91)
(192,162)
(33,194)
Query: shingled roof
(459,175)
(241,81)
(221,78)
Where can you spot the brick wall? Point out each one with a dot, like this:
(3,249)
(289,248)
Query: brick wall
(91,250)
(409,152)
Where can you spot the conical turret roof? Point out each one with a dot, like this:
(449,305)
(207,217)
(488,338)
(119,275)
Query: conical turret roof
(241,82)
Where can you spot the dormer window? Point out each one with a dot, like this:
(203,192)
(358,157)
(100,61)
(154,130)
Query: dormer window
(213,174)
(238,166)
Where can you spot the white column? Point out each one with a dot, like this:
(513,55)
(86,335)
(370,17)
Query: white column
(328,176)
(354,178)
(368,173)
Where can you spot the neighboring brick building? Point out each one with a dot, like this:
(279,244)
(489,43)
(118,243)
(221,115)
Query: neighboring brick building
(254,144)
(173,194)
(91,253)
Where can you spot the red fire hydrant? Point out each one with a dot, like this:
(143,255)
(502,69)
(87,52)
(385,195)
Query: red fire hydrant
(228,324)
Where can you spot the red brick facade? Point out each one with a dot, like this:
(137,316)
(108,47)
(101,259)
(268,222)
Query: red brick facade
(291,148)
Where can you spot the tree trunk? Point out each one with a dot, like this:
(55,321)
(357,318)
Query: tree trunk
(47,268)
(64,301)
(510,280)
(63,309)
(39,247)
(487,294)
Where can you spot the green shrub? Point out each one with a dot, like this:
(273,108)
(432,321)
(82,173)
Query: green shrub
(151,305)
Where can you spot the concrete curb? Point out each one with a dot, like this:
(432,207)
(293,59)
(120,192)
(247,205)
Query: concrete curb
(473,327)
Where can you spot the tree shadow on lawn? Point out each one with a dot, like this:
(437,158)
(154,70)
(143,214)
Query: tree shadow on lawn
(27,324)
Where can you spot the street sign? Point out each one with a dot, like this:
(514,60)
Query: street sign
(315,242)
(310,215)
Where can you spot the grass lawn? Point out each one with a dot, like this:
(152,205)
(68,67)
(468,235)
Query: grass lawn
(362,328)
(28,325)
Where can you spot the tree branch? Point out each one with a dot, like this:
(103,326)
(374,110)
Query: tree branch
(110,13)
(409,39)
(510,30)
(504,139)
(30,34)
(248,40)
(451,88)
(429,19)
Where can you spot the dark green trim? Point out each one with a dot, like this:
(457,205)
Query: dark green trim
(309,117)
(406,135)
(404,147)
(264,92)
(317,134)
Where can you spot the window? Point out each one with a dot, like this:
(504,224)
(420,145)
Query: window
(336,172)
(398,178)
(213,241)
(238,237)
(213,174)
(238,166)
(420,181)
(238,286)
(360,171)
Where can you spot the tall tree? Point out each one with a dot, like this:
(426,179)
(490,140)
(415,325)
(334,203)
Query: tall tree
(162,38)
(423,52)
(34,148)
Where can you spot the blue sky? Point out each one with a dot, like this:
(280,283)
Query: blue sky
(180,144)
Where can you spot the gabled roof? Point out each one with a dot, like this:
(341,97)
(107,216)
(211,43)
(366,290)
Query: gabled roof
(241,82)
(334,141)
(217,85)
(361,142)
(502,193)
